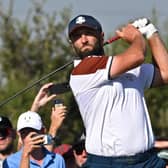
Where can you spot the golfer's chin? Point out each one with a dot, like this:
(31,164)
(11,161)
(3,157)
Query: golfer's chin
(86,53)
(87,49)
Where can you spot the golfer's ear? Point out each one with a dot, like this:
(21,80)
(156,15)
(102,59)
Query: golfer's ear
(102,37)
(71,44)
(102,34)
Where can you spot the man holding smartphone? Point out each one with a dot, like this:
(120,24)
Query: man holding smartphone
(33,153)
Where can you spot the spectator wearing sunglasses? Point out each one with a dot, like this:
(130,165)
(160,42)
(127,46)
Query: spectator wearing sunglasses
(7,137)
(74,155)
(79,152)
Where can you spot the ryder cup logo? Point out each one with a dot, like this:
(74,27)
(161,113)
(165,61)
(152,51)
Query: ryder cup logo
(80,20)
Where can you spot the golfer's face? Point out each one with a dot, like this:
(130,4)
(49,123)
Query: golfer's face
(85,41)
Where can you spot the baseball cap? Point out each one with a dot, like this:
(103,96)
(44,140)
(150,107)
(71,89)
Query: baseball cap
(84,21)
(5,122)
(29,119)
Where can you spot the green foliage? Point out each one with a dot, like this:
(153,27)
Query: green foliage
(158,107)
(29,50)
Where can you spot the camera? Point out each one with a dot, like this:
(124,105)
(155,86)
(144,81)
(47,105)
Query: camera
(48,139)
(59,88)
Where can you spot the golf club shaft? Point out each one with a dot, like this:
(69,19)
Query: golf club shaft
(48,75)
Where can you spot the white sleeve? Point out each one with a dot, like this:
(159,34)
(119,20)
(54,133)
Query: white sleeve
(81,82)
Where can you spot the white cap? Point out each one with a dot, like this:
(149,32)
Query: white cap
(29,119)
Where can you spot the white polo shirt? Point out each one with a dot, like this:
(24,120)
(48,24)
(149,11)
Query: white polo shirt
(114,111)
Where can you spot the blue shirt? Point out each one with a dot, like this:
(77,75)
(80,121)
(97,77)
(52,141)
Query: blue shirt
(51,160)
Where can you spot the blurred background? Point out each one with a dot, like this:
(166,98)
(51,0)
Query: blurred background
(33,43)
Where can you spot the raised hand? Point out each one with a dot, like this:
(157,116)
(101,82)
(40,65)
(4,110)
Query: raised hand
(42,97)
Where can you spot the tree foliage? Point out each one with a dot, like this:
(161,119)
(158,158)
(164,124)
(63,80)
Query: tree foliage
(30,49)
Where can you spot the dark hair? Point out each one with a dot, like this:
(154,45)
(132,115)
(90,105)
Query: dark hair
(79,146)
(5,122)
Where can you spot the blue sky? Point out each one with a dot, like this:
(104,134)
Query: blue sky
(110,13)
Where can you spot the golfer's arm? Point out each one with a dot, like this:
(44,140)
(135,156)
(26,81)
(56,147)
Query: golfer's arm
(131,58)
(160,58)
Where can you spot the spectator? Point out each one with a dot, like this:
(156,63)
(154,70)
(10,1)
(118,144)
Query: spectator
(7,137)
(75,155)
(79,152)
(58,114)
(31,129)
(8,133)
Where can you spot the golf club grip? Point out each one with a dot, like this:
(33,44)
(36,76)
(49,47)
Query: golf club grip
(111,40)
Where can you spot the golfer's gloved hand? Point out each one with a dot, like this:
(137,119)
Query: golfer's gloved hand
(145,27)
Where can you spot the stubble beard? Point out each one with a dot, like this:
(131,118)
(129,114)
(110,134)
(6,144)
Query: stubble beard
(97,50)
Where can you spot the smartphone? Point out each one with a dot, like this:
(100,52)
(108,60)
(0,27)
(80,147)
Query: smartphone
(58,102)
(48,139)
(59,88)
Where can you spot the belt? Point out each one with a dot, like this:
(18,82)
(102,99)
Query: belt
(140,157)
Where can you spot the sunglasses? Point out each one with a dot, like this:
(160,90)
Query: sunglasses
(4,132)
(79,148)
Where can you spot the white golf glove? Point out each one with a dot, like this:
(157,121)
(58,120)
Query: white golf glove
(145,27)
